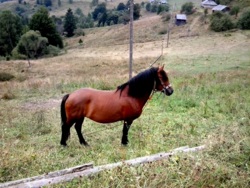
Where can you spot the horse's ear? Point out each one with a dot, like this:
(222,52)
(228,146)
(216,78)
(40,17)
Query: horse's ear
(161,67)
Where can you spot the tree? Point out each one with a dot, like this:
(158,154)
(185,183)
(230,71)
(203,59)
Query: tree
(112,18)
(187,8)
(101,8)
(94,3)
(47,3)
(69,23)
(235,11)
(244,20)
(137,10)
(32,45)
(10,32)
(121,7)
(221,22)
(148,7)
(41,21)
(102,18)
(78,12)
(162,8)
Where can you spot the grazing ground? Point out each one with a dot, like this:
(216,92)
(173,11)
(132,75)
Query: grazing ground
(209,72)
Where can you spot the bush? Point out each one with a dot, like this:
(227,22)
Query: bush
(16,55)
(148,7)
(221,22)
(79,32)
(187,8)
(244,20)
(5,76)
(163,31)
(52,50)
(166,17)
(162,8)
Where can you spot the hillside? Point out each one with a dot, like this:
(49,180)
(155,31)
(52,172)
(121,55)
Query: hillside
(209,72)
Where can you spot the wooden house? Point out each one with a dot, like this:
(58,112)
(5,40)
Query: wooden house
(208,4)
(221,8)
(180,19)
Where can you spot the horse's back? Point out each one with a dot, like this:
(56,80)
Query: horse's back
(98,105)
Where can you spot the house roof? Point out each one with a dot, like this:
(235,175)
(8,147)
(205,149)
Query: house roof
(219,7)
(209,3)
(181,17)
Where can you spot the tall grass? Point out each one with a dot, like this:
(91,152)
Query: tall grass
(200,112)
(210,106)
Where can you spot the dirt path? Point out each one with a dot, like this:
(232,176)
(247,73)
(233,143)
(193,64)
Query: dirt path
(194,22)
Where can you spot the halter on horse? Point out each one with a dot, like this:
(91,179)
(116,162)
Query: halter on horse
(125,103)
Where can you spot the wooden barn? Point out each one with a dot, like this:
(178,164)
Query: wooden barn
(180,19)
(208,4)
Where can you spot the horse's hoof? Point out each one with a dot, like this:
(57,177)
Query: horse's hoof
(63,144)
(125,143)
(85,144)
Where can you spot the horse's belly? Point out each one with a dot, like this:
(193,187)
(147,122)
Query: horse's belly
(112,111)
(104,115)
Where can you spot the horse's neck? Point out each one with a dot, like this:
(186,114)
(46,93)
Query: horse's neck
(143,100)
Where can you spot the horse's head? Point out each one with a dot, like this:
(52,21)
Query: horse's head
(162,83)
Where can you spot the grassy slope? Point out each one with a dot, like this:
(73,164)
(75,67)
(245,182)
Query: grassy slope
(210,74)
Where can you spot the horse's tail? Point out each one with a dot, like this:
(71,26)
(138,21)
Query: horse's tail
(63,112)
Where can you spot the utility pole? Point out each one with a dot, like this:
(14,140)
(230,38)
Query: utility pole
(170,24)
(131,9)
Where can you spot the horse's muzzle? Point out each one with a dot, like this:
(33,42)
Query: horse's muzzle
(168,91)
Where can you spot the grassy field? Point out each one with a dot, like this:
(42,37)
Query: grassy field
(210,75)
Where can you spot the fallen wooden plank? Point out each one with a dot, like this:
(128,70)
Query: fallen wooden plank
(56,177)
(49,175)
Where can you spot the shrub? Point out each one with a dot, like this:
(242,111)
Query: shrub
(166,17)
(163,31)
(52,50)
(234,11)
(244,20)
(187,8)
(162,8)
(80,42)
(148,7)
(221,22)
(5,76)
(79,32)
(8,96)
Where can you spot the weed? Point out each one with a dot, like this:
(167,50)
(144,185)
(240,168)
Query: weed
(6,76)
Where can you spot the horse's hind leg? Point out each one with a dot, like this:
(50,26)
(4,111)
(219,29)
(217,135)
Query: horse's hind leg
(65,133)
(78,127)
(125,130)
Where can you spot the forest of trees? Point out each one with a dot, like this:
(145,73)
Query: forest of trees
(46,32)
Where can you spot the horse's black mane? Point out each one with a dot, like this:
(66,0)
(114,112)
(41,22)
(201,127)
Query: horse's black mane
(141,84)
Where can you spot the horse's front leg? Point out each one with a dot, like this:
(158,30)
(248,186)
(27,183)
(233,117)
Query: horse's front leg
(125,130)
(78,127)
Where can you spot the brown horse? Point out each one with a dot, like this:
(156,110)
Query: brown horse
(125,103)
